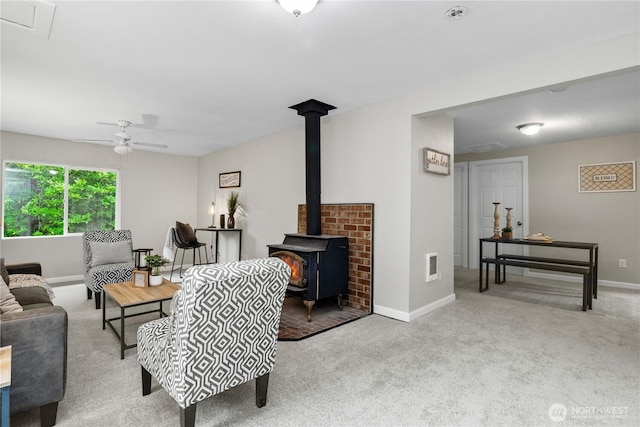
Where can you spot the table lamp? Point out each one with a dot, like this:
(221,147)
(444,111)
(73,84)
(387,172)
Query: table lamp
(212,211)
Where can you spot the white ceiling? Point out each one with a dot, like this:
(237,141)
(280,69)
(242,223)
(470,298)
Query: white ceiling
(202,76)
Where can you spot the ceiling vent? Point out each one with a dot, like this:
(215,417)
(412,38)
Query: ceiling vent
(483,148)
(33,16)
(457,12)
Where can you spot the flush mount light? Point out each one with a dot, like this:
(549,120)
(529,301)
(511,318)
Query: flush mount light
(530,128)
(298,7)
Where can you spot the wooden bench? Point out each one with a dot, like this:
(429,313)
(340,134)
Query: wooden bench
(594,286)
(566,266)
(568,262)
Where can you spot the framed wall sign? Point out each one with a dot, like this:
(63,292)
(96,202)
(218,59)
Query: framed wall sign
(140,278)
(605,177)
(436,162)
(229,179)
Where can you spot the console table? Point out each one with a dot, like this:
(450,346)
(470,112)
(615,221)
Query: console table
(587,268)
(223,230)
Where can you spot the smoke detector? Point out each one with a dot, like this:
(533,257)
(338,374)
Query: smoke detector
(457,12)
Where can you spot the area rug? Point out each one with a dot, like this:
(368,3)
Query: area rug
(325,316)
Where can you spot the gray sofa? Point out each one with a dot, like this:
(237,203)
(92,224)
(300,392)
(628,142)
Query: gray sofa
(38,336)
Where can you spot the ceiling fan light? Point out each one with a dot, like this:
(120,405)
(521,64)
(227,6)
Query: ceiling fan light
(122,149)
(298,7)
(530,128)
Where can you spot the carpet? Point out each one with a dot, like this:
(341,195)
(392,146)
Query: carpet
(486,359)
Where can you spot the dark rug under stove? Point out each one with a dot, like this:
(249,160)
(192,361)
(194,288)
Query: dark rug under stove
(325,315)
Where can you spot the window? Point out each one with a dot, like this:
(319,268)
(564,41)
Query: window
(45,200)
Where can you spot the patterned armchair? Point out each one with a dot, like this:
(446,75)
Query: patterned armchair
(108,258)
(222,332)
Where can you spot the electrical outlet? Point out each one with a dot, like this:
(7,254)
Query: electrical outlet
(622,263)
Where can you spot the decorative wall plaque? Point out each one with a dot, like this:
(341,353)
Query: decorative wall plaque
(436,161)
(229,179)
(605,177)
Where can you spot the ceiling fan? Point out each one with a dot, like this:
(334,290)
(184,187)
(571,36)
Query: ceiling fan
(123,139)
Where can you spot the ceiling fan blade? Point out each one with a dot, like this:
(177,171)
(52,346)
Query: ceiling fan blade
(96,141)
(150,144)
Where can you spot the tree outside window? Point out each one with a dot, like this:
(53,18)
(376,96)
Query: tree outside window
(35,197)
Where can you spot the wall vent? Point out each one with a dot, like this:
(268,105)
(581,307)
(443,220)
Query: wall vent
(432,272)
(33,16)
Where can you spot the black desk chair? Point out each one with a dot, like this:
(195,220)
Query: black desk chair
(184,245)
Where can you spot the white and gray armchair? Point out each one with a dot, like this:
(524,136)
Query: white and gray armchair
(222,332)
(108,258)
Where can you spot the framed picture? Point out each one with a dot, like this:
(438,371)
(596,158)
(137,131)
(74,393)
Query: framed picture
(436,162)
(140,278)
(606,177)
(229,179)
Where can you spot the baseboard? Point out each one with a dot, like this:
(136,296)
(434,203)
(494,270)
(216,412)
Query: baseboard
(390,312)
(408,317)
(578,280)
(431,307)
(62,279)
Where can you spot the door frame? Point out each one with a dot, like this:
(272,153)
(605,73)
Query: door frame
(474,202)
(462,168)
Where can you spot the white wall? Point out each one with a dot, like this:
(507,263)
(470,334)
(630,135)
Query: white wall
(431,216)
(156,190)
(272,186)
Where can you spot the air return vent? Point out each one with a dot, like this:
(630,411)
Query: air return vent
(33,16)
(483,148)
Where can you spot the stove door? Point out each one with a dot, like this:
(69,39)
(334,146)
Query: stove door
(297,264)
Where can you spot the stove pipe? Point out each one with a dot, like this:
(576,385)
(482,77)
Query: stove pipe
(312,110)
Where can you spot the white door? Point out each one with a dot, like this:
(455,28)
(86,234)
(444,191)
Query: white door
(460,215)
(497,180)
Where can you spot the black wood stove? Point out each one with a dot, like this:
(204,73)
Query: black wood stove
(319,266)
(319,263)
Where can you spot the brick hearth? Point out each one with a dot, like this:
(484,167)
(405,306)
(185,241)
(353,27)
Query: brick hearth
(354,221)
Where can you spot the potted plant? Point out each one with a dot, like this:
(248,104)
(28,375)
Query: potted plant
(232,205)
(507,233)
(155,262)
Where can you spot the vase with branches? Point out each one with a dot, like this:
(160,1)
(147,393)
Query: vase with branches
(233,203)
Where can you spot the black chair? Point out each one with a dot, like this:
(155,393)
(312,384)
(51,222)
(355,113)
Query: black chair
(180,244)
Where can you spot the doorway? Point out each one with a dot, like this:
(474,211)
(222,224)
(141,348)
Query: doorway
(497,180)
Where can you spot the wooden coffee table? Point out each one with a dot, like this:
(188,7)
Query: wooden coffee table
(126,295)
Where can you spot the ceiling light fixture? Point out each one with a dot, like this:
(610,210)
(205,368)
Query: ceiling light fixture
(298,7)
(122,149)
(530,128)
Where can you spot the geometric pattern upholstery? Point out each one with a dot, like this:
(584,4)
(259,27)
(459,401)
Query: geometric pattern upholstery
(96,277)
(222,330)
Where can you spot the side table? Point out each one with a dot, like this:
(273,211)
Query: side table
(5,382)
(223,230)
